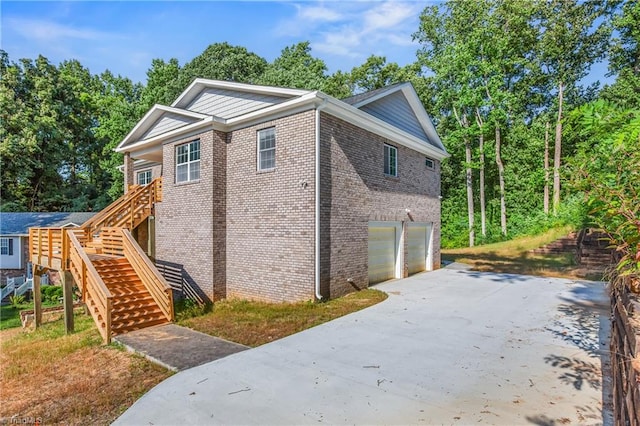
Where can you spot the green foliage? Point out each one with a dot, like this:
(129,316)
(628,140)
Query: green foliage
(295,68)
(606,170)
(189,308)
(17,300)
(51,293)
(221,61)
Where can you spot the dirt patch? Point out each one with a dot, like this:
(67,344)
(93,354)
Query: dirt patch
(70,379)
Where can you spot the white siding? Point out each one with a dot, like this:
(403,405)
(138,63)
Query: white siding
(168,121)
(15,260)
(395,110)
(229,103)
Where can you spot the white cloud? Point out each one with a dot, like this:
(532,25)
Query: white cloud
(47,31)
(354,29)
(318,13)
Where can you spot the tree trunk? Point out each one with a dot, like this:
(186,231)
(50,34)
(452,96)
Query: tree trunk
(470,209)
(463,121)
(503,207)
(483,213)
(546,169)
(557,152)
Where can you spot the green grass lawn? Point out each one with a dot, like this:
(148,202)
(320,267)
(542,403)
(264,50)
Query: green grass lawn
(10,315)
(514,257)
(255,323)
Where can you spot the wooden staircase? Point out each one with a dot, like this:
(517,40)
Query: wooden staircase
(133,305)
(120,286)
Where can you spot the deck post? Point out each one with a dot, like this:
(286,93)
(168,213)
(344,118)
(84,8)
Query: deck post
(67,299)
(37,297)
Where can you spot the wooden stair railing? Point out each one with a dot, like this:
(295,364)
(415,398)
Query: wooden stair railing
(149,274)
(129,210)
(120,242)
(95,293)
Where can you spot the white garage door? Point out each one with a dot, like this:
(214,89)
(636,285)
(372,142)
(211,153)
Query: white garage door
(418,236)
(383,242)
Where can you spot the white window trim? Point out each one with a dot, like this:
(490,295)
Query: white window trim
(4,244)
(258,151)
(395,168)
(138,173)
(432,161)
(189,162)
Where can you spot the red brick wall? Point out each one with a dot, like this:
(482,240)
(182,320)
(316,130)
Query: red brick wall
(243,233)
(190,219)
(270,215)
(354,191)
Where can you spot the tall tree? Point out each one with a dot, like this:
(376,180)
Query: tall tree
(571,40)
(374,73)
(296,68)
(624,54)
(222,61)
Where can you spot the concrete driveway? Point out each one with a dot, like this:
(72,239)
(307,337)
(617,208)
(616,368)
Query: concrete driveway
(447,347)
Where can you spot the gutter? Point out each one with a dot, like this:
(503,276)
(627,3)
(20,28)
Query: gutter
(317,218)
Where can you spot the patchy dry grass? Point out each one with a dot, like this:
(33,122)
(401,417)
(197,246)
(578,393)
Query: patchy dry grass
(514,257)
(257,323)
(70,379)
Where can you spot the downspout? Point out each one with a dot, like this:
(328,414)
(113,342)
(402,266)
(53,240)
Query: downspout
(317,218)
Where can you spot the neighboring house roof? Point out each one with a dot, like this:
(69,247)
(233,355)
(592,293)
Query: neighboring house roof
(394,112)
(19,223)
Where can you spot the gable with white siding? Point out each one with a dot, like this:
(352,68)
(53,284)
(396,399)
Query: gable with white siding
(168,121)
(396,110)
(226,104)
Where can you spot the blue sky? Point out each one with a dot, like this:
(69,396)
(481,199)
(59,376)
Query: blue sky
(125,36)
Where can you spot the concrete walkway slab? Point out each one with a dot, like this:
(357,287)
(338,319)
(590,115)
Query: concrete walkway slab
(447,347)
(178,348)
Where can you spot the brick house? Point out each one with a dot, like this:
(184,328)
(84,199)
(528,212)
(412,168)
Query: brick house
(285,194)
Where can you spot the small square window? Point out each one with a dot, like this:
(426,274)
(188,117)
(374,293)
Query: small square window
(267,149)
(390,160)
(429,163)
(144,177)
(188,162)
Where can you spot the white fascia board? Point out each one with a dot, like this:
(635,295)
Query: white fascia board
(151,116)
(422,115)
(382,94)
(200,84)
(418,109)
(157,140)
(299,104)
(308,101)
(377,126)
(305,102)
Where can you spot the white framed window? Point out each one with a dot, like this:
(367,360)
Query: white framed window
(390,160)
(6,246)
(144,177)
(188,161)
(429,163)
(267,149)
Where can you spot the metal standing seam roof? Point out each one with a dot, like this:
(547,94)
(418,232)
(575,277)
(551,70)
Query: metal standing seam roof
(352,100)
(19,223)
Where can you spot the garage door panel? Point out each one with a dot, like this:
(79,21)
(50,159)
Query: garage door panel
(382,253)
(417,248)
